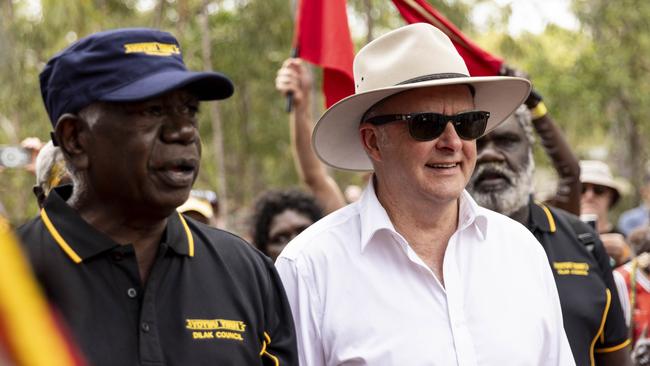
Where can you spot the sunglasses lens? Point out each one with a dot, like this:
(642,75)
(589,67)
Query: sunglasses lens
(598,190)
(471,125)
(427,126)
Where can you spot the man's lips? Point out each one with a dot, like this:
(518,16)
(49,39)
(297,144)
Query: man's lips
(442,165)
(177,173)
(489,180)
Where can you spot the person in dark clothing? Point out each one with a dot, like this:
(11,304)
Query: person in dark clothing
(502,181)
(139,283)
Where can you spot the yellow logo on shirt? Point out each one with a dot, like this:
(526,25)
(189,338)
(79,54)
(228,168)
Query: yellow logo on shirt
(216,329)
(152,48)
(571,268)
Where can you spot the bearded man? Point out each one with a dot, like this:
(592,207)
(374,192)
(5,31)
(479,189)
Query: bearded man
(503,182)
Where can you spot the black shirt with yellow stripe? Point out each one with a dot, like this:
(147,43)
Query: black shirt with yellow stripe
(593,319)
(210,299)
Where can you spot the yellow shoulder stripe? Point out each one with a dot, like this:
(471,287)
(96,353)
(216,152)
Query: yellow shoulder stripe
(58,238)
(190,238)
(614,348)
(602,326)
(266,341)
(549,216)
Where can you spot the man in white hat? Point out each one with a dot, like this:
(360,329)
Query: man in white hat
(415,272)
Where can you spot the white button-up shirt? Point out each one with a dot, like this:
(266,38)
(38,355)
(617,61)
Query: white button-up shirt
(360,295)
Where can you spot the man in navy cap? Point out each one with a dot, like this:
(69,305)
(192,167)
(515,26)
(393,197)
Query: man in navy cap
(137,282)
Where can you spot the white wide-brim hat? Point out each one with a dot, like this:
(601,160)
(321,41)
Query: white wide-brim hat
(597,172)
(415,56)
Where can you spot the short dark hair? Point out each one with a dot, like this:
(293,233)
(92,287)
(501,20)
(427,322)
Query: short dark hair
(274,202)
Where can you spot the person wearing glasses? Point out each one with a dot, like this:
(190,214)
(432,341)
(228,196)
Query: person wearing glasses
(415,272)
(600,193)
(503,181)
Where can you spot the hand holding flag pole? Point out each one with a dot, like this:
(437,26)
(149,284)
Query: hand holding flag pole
(295,51)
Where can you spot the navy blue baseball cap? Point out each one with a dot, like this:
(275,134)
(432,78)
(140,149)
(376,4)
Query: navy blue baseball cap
(122,65)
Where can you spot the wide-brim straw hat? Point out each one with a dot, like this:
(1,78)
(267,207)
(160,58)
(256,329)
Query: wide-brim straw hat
(415,56)
(598,173)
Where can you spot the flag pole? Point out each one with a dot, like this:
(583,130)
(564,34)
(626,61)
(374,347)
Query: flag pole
(295,52)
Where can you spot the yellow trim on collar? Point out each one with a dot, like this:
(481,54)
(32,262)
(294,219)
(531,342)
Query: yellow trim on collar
(190,238)
(58,238)
(601,328)
(549,216)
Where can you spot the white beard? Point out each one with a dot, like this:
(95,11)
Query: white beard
(512,198)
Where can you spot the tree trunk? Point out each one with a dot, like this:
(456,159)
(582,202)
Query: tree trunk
(183,15)
(159,13)
(370,22)
(634,148)
(215,117)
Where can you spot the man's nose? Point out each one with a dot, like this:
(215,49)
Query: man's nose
(487,152)
(179,128)
(449,139)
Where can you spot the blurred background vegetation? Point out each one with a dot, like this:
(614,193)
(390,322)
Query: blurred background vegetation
(594,79)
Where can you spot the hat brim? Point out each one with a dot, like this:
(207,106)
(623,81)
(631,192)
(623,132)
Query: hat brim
(336,138)
(204,85)
(597,180)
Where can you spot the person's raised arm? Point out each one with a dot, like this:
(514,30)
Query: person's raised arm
(565,162)
(294,77)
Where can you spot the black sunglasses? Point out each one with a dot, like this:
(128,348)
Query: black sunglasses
(598,190)
(428,126)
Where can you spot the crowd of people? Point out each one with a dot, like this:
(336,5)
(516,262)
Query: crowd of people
(447,256)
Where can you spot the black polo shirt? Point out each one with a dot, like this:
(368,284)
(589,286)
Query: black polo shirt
(210,299)
(593,319)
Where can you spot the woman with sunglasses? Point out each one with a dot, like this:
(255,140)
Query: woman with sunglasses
(600,192)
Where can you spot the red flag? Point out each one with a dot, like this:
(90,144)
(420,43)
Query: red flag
(322,36)
(478,61)
(30,331)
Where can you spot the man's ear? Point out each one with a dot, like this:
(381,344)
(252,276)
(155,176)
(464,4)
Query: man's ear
(71,133)
(369,135)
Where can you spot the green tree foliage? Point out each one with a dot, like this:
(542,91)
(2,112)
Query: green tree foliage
(594,80)
(619,75)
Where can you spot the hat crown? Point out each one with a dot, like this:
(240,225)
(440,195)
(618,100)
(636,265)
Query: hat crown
(595,168)
(397,57)
(597,172)
(121,65)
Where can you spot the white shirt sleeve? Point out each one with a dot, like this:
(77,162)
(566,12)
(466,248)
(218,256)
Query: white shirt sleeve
(306,312)
(623,295)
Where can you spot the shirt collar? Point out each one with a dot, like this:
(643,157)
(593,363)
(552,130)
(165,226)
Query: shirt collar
(541,217)
(374,218)
(373,215)
(81,241)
